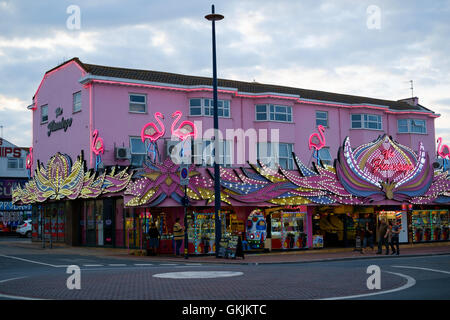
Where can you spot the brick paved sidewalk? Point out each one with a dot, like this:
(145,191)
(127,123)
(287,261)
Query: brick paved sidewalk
(311,255)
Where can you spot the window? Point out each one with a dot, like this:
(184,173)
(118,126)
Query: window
(138,103)
(325,156)
(15,163)
(272,153)
(205,107)
(44,113)
(412,126)
(137,151)
(273,112)
(77,101)
(366,121)
(322,118)
(204,153)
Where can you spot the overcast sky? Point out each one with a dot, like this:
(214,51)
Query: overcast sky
(369,48)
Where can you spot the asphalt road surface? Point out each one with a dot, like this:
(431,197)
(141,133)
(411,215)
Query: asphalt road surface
(36,274)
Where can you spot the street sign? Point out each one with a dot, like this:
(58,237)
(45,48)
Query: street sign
(184,174)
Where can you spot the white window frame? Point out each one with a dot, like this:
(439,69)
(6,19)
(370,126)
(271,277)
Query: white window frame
(272,154)
(76,105)
(207,107)
(328,161)
(137,103)
(271,115)
(322,119)
(144,153)
(45,106)
(365,121)
(205,152)
(409,125)
(19,163)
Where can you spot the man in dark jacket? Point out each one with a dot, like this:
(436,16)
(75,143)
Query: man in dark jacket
(382,228)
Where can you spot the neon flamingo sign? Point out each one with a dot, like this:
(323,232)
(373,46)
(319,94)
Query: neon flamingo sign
(317,141)
(97,147)
(184,131)
(29,162)
(151,132)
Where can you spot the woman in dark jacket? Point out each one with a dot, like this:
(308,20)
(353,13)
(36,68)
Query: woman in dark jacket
(153,235)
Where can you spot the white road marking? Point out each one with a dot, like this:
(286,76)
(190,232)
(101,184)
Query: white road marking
(426,269)
(168,264)
(32,261)
(117,265)
(15,297)
(143,264)
(92,265)
(198,274)
(410,282)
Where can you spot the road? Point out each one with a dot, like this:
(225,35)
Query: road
(42,274)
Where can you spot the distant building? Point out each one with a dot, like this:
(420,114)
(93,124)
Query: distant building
(12,173)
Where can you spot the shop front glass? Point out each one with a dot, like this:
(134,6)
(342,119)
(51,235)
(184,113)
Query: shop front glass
(430,225)
(288,230)
(201,230)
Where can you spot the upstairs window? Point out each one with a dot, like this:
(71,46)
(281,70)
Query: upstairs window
(412,126)
(205,107)
(325,156)
(44,113)
(272,153)
(77,101)
(271,112)
(138,103)
(322,118)
(137,151)
(366,121)
(204,153)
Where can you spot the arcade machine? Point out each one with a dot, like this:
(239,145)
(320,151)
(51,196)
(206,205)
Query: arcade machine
(201,231)
(417,226)
(436,225)
(256,229)
(444,218)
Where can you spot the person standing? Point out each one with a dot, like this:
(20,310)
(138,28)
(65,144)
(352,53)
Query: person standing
(178,235)
(382,229)
(395,237)
(368,236)
(153,235)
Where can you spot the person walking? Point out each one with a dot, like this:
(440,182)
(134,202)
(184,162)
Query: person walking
(388,237)
(153,235)
(178,235)
(368,236)
(382,229)
(395,238)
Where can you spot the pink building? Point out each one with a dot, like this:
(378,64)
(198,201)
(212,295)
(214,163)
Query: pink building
(75,99)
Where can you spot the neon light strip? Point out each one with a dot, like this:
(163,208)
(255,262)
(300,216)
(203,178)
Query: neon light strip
(248,95)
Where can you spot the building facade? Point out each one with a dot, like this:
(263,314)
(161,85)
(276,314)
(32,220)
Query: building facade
(287,161)
(13,172)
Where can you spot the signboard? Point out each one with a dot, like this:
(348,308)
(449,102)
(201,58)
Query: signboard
(318,241)
(184,174)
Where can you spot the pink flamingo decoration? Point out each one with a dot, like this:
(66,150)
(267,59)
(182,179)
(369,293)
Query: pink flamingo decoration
(97,147)
(185,130)
(29,162)
(444,152)
(317,141)
(152,133)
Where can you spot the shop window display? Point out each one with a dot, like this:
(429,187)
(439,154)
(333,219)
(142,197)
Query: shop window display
(430,225)
(201,231)
(288,230)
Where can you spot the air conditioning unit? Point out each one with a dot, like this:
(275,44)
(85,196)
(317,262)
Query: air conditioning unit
(170,145)
(122,153)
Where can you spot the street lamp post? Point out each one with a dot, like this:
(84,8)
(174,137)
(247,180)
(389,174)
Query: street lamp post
(213,17)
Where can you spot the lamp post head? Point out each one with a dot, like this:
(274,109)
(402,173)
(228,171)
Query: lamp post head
(214,16)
